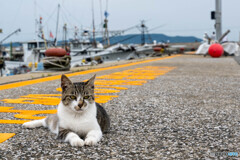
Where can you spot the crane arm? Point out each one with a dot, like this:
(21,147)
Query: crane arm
(18,30)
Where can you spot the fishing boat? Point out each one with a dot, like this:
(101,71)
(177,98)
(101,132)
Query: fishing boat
(30,53)
(113,53)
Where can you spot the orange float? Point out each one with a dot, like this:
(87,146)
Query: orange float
(56,52)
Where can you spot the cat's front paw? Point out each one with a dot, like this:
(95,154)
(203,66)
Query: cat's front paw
(77,142)
(90,141)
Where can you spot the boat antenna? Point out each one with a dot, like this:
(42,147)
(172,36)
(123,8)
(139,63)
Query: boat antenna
(55,40)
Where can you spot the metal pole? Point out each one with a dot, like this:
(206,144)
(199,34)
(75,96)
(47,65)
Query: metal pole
(57,25)
(239,37)
(218,22)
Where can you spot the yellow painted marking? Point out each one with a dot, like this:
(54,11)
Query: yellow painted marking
(99,87)
(31,114)
(116,87)
(119,82)
(142,77)
(145,73)
(111,76)
(104,85)
(27,114)
(43,95)
(36,100)
(10,121)
(104,98)
(40,80)
(98,90)
(59,89)
(56,101)
(6,136)
(45,99)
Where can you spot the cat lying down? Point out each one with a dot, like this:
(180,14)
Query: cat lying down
(79,120)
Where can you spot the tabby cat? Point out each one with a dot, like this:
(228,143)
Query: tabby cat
(79,119)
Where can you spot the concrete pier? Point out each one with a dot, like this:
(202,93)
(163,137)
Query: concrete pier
(177,107)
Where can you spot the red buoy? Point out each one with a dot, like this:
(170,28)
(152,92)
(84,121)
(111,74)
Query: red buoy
(215,50)
(56,52)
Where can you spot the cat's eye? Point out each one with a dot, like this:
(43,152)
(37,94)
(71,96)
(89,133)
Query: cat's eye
(85,97)
(73,97)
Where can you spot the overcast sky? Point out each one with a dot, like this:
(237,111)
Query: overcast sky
(176,17)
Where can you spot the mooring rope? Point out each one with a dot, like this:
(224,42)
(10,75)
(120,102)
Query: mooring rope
(57,63)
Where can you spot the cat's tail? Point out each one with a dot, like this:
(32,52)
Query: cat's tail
(50,122)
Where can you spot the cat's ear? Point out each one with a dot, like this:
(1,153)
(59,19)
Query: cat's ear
(65,82)
(90,82)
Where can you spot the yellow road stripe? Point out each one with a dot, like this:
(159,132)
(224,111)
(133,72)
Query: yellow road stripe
(115,87)
(6,136)
(104,84)
(40,80)
(10,121)
(26,114)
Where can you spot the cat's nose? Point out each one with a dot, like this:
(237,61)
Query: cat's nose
(77,108)
(80,103)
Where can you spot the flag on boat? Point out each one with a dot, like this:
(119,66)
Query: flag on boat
(106,14)
(51,35)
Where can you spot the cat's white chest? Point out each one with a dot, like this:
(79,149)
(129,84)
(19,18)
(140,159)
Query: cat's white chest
(79,123)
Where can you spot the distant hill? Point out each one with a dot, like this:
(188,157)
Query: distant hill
(14,44)
(137,39)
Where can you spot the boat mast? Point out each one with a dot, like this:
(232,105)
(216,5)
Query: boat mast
(100,1)
(57,25)
(65,35)
(36,23)
(75,33)
(41,31)
(143,32)
(106,33)
(93,23)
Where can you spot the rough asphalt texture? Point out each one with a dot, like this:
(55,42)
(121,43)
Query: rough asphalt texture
(237,58)
(191,112)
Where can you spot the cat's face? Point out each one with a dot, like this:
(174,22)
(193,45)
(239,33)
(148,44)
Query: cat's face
(77,96)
